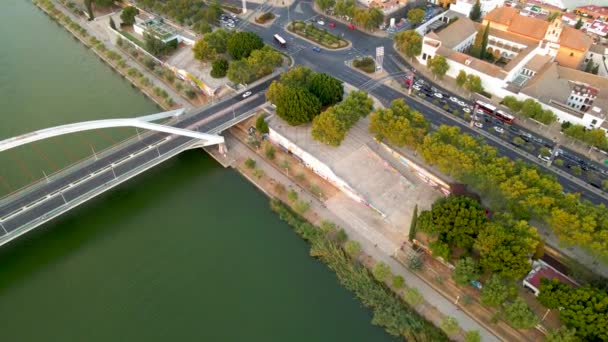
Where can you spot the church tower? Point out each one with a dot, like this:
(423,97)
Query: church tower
(554,31)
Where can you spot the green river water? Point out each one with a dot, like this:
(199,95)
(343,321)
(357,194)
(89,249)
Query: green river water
(188,251)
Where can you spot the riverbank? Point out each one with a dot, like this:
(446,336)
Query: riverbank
(110,57)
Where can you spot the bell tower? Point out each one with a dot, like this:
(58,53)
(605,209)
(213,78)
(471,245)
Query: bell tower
(554,31)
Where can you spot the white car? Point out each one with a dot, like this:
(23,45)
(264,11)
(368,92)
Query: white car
(499,129)
(466,110)
(462,103)
(321,22)
(246,94)
(453,99)
(478,124)
(417,87)
(545,158)
(438,95)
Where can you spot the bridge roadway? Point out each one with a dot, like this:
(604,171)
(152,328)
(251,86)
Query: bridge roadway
(29,206)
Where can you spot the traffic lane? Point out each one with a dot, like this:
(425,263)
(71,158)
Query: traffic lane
(434,116)
(32,213)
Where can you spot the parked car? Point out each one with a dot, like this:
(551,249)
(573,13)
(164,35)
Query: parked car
(438,95)
(462,103)
(316,49)
(499,129)
(320,22)
(417,87)
(453,99)
(351,27)
(478,124)
(545,158)
(332,25)
(466,110)
(246,94)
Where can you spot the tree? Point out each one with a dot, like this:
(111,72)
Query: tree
(438,65)
(240,72)
(398,282)
(325,4)
(495,291)
(326,88)
(264,60)
(328,128)
(461,79)
(298,76)
(345,8)
(505,247)
(413,297)
(552,16)
(563,334)
(112,24)
(294,105)
(399,125)
(473,84)
(241,44)
(440,249)
(475,13)
(89,5)
(362,18)
(128,15)
(352,248)
(520,316)
(156,46)
(203,52)
(381,271)
(261,125)
(512,102)
(376,17)
(415,16)
(578,24)
(472,336)
(466,271)
(412,231)
(218,40)
(409,42)
(219,68)
(104,3)
(455,220)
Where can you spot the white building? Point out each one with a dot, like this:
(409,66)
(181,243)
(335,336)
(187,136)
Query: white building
(464,7)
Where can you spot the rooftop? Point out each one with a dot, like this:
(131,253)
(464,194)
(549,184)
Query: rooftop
(537,62)
(543,271)
(457,32)
(472,62)
(593,8)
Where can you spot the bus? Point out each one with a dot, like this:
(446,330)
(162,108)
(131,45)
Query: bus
(280,40)
(482,107)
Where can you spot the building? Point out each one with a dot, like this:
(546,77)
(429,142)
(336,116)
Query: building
(542,270)
(593,11)
(161,30)
(464,7)
(598,54)
(596,28)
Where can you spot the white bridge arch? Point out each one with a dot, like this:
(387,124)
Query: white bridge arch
(143,122)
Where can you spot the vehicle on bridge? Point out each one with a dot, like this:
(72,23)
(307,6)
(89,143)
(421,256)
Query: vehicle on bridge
(493,111)
(282,42)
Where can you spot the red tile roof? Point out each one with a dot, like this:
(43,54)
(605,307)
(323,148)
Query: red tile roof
(549,273)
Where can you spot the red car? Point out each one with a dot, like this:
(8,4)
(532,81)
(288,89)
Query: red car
(332,25)
(351,27)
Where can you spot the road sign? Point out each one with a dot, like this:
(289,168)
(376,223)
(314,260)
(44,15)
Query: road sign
(379,58)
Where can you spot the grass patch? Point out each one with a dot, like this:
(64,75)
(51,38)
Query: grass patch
(366,64)
(317,35)
(264,18)
(134,39)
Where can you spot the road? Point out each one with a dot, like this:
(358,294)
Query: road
(333,62)
(28,207)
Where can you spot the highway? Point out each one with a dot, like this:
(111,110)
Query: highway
(22,209)
(333,63)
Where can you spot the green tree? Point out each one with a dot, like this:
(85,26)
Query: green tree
(218,40)
(413,297)
(362,18)
(552,16)
(381,271)
(473,84)
(475,13)
(398,282)
(412,231)
(325,4)
(376,17)
(104,3)
(241,44)
(298,76)
(520,316)
(89,6)
(415,16)
(261,125)
(409,42)
(352,248)
(472,336)
(326,88)
(456,220)
(328,128)
(294,105)
(399,125)
(240,72)
(345,8)
(128,15)
(461,79)
(156,46)
(505,247)
(264,60)
(450,325)
(219,68)
(466,271)
(495,291)
(440,249)
(203,52)
(563,334)
(113,25)
(578,24)
(439,66)
(512,102)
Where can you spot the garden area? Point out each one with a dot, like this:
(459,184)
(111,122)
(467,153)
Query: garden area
(317,35)
(264,18)
(366,64)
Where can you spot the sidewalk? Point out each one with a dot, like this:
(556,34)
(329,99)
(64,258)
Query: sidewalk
(372,243)
(551,132)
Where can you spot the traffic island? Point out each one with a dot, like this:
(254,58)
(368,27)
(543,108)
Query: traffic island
(316,35)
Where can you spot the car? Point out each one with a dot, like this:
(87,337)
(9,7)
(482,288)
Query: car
(316,49)
(320,22)
(332,25)
(438,95)
(351,27)
(499,129)
(453,99)
(246,94)
(514,129)
(545,158)
(478,124)
(462,103)
(417,87)
(466,110)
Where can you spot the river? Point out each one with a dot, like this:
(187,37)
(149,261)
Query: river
(189,251)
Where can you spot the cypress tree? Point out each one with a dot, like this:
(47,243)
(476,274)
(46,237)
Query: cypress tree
(475,13)
(412,233)
(112,24)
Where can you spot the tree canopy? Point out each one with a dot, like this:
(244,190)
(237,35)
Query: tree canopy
(439,66)
(466,271)
(128,15)
(475,13)
(520,315)
(325,4)
(415,16)
(218,40)
(294,105)
(326,88)
(409,42)
(241,44)
(399,125)
(496,291)
(203,52)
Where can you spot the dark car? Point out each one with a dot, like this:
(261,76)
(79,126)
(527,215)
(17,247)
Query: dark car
(316,49)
